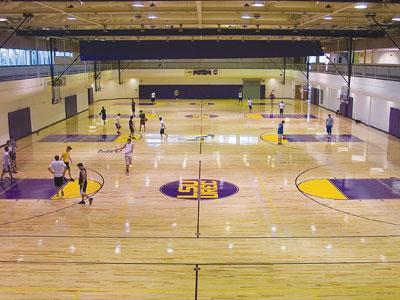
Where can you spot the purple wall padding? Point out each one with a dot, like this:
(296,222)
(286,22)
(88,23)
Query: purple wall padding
(90,96)
(71,106)
(181,49)
(394,122)
(19,123)
(346,109)
(206,91)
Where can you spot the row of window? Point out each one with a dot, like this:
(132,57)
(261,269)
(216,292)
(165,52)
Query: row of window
(318,59)
(23,57)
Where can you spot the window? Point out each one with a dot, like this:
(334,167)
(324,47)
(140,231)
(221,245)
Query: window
(27,57)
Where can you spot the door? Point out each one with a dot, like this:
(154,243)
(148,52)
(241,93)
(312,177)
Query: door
(71,106)
(251,89)
(394,122)
(90,96)
(19,123)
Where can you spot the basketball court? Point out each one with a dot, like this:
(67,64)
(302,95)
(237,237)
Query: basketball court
(218,210)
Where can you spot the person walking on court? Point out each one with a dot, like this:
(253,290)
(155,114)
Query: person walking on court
(128,151)
(6,164)
(103,115)
(11,153)
(143,120)
(176,94)
(153,97)
(131,127)
(162,128)
(329,126)
(240,97)
(66,158)
(118,124)
(58,168)
(280,132)
(250,104)
(133,106)
(281,108)
(272,97)
(13,144)
(83,183)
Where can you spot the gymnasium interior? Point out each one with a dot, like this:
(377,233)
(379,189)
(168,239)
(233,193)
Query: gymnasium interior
(268,166)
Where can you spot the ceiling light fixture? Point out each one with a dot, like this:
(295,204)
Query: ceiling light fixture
(328,18)
(3,19)
(246,17)
(71,18)
(152,17)
(361,6)
(396,18)
(138,4)
(258,4)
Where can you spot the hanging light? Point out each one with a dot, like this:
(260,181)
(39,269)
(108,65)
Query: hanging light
(361,5)
(138,4)
(258,4)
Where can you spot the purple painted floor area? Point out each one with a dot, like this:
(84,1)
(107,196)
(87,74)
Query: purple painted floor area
(289,116)
(27,189)
(140,103)
(309,138)
(80,138)
(368,188)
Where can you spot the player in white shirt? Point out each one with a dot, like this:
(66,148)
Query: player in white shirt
(281,108)
(6,163)
(250,104)
(162,128)
(128,152)
(153,97)
(57,167)
(240,97)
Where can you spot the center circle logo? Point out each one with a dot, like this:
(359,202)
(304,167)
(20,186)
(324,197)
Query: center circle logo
(193,189)
(205,116)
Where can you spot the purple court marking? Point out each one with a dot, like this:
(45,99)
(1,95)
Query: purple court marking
(210,189)
(81,138)
(27,189)
(289,116)
(140,103)
(368,188)
(309,138)
(204,116)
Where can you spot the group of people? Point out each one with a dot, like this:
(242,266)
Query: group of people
(62,165)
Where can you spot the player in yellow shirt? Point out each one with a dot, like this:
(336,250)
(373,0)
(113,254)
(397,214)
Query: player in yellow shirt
(66,158)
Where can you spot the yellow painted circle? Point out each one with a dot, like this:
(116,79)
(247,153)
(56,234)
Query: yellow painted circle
(71,189)
(272,138)
(321,188)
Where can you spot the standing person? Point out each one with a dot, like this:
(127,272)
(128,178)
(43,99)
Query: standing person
(103,114)
(6,164)
(143,120)
(176,94)
(12,156)
(13,144)
(66,158)
(128,151)
(240,97)
(250,104)
(272,97)
(162,128)
(153,97)
(329,126)
(281,108)
(58,168)
(131,127)
(280,132)
(133,106)
(83,184)
(118,124)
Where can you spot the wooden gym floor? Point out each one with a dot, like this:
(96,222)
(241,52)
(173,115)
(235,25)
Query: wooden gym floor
(298,227)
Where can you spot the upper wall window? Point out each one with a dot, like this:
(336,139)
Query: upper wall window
(27,57)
